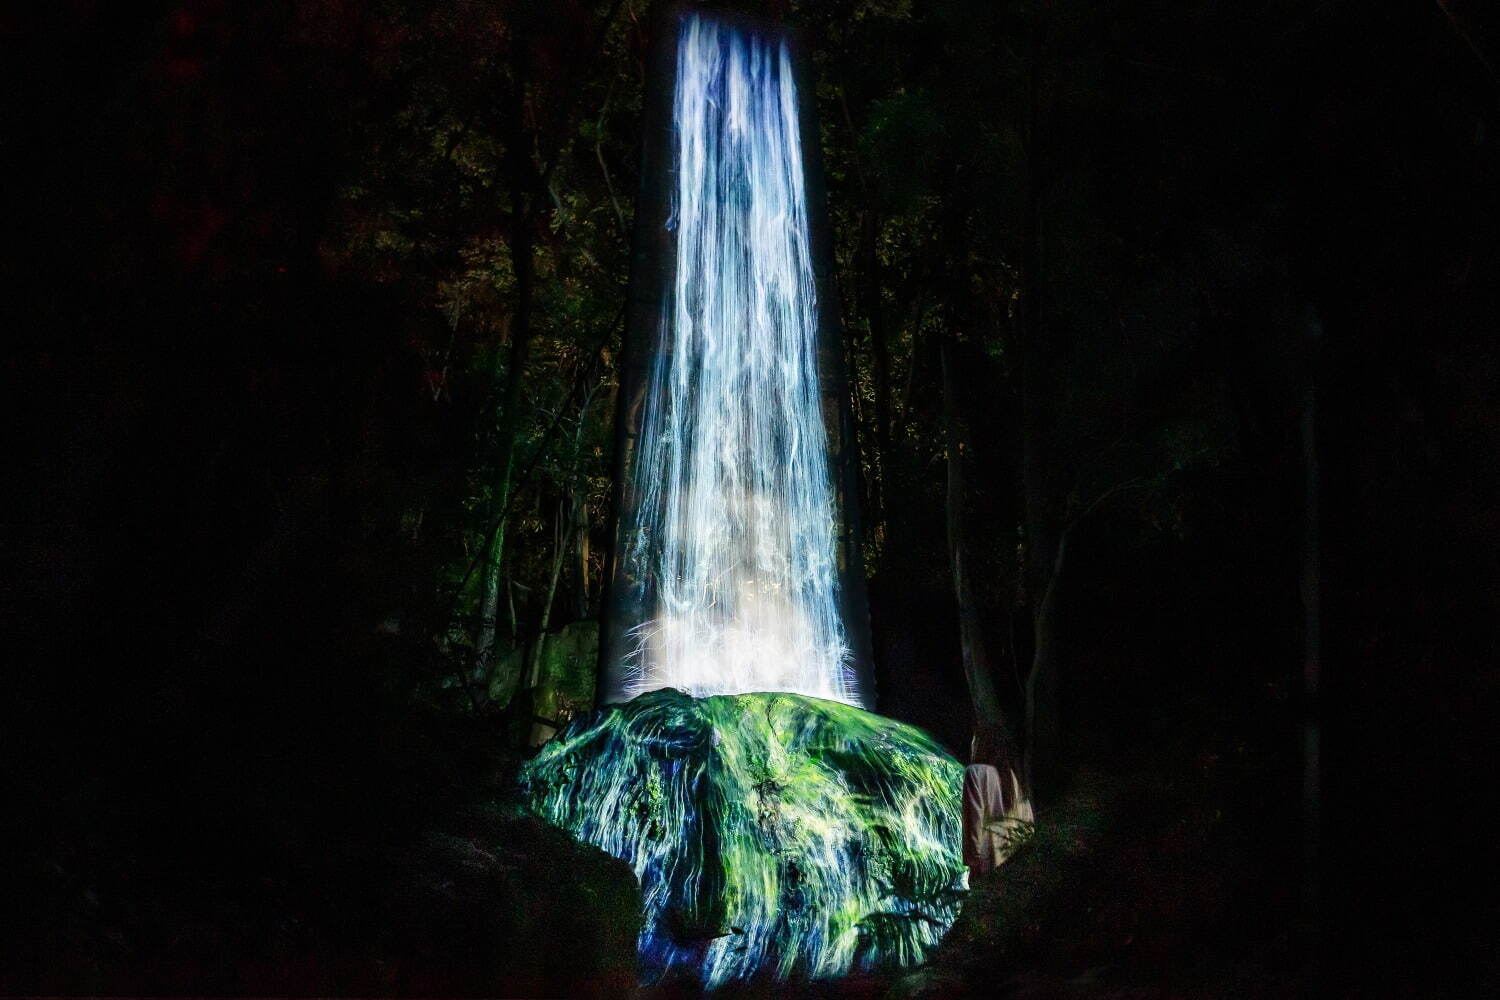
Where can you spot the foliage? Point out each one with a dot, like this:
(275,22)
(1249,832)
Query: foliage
(945,126)
(1188,258)
(482,115)
(1128,883)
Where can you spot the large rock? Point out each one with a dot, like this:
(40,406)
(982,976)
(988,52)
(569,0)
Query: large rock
(502,906)
(775,836)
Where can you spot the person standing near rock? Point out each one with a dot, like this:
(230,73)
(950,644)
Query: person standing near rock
(997,818)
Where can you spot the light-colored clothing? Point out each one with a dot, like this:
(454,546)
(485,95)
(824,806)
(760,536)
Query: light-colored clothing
(996,817)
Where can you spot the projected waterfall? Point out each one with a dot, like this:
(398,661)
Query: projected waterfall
(731,544)
(776,833)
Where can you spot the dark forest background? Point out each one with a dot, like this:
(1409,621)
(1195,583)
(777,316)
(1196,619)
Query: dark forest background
(1171,332)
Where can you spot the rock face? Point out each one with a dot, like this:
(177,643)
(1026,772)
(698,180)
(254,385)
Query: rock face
(775,836)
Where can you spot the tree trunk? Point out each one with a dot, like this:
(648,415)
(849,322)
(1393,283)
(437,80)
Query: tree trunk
(880,355)
(1311,587)
(1043,714)
(510,599)
(565,526)
(581,557)
(1044,542)
(560,534)
(520,170)
(992,742)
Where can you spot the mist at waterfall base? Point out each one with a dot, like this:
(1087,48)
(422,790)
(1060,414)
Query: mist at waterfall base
(778,830)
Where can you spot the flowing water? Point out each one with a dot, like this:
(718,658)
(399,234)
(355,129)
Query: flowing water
(776,833)
(733,541)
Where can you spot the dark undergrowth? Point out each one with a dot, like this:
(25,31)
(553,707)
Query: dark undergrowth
(1180,880)
(1172,881)
(388,863)
(1141,886)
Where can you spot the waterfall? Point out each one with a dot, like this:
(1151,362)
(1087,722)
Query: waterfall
(776,834)
(732,544)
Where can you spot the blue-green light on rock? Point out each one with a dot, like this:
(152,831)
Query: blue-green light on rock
(775,835)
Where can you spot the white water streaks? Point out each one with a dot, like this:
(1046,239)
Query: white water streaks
(733,540)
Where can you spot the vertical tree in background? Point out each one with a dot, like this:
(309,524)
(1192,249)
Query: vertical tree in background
(488,197)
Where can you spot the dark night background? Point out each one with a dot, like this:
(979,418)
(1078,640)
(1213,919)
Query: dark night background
(1204,294)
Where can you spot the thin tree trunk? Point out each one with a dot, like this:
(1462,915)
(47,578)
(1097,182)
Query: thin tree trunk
(609,183)
(563,530)
(1312,768)
(560,534)
(510,595)
(1042,687)
(1044,547)
(489,604)
(522,264)
(578,512)
(581,557)
(992,741)
(1043,715)
(867,300)
(880,348)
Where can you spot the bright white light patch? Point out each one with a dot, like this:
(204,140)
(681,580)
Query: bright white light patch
(734,543)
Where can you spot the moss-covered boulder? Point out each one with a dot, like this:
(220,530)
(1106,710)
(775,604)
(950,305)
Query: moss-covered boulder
(775,836)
